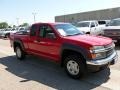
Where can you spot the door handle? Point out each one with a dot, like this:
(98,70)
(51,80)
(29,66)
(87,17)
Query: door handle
(36,41)
(43,42)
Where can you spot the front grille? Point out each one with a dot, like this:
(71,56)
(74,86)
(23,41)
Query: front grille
(110,52)
(110,49)
(108,46)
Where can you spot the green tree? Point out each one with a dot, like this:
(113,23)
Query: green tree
(14,26)
(9,27)
(3,25)
(24,25)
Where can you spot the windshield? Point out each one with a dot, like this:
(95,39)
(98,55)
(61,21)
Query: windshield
(101,22)
(67,29)
(114,23)
(21,29)
(83,24)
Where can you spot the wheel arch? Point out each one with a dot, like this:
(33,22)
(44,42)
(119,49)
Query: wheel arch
(18,43)
(68,49)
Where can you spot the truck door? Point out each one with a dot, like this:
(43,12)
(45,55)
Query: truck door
(93,29)
(48,44)
(32,39)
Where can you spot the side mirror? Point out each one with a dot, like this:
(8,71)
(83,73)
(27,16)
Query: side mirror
(50,35)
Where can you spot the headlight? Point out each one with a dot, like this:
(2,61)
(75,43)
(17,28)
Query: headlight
(96,48)
(96,54)
(99,55)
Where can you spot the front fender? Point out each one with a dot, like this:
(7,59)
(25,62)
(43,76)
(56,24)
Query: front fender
(82,50)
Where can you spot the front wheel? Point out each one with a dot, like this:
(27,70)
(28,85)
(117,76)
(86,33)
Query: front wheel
(75,66)
(19,53)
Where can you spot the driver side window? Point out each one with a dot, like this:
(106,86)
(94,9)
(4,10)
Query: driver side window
(92,24)
(45,30)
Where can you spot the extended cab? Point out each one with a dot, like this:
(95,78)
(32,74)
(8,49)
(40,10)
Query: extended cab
(63,43)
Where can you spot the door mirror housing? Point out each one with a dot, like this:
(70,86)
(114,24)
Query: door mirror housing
(50,35)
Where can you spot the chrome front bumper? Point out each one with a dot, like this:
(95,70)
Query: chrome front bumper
(104,61)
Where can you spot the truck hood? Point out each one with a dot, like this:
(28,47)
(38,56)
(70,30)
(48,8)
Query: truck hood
(91,40)
(84,29)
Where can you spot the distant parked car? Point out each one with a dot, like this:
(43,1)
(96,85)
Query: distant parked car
(6,32)
(112,30)
(89,27)
(1,32)
(23,30)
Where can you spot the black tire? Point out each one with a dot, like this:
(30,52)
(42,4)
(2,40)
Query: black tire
(19,53)
(81,65)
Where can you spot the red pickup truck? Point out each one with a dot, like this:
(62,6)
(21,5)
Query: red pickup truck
(63,43)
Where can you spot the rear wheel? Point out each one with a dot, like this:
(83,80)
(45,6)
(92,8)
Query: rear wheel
(19,53)
(75,66)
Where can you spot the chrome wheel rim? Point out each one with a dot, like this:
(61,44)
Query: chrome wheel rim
(18,52)
(73,67)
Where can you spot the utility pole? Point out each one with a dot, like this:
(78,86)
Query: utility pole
(34,16)
(17,19)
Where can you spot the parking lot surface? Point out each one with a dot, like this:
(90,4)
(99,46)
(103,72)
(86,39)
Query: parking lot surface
(38,74)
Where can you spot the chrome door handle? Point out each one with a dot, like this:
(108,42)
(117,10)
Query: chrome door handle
(43,42)
(35,41)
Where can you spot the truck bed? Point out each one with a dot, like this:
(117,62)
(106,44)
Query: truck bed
(20,36)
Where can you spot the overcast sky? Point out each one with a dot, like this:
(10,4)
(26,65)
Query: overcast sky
(46,10)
